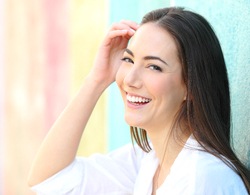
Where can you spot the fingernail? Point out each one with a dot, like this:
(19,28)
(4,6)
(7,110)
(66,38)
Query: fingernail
(132,30)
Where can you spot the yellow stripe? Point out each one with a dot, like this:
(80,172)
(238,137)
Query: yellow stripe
(88,26)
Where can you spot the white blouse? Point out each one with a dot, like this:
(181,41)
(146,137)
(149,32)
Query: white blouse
(129,170)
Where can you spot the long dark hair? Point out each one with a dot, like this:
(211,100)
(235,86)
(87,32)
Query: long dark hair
(206,112)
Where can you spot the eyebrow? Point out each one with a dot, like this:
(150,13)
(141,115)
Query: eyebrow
(146,57)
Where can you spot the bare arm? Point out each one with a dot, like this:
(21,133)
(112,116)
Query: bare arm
(59,148)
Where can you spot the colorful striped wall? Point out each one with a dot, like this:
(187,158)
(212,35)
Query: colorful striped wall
(48,47)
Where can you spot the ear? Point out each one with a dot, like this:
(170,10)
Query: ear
(185,95)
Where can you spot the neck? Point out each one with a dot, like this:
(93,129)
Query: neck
(167,148)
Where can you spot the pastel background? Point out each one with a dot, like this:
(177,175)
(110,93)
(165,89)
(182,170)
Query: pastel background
(47,48)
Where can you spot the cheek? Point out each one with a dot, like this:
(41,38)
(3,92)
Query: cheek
(120,76)
(167,88)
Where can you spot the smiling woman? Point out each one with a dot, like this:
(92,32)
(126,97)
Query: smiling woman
(174,85)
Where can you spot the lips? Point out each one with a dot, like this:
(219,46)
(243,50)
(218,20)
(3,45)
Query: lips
(137,100)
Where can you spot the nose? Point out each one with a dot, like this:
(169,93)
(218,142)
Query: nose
(133,78)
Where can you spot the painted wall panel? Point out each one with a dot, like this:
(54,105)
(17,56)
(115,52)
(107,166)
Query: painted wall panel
(88,25)
(23,109)
(2,6)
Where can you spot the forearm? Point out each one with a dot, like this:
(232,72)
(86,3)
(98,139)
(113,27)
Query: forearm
(60,146)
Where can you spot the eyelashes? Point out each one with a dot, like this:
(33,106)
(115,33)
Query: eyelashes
(150,66)
(155,67)
(126,59)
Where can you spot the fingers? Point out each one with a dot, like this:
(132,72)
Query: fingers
(130,23)
(124,28)
(125,24)
(116,33)
(112,35)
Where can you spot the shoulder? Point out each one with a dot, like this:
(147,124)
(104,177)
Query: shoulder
(214,175)
(208,174)
(211,166)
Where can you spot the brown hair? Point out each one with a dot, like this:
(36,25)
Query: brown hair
(206,111)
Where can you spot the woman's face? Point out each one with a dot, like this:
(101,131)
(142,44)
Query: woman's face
(150,79)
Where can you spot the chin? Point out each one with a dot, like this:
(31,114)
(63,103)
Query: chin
(134,123)
(131,122)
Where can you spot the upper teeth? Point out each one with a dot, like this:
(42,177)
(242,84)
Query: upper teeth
(137,99)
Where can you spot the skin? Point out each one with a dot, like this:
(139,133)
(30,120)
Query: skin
(159,80)
(164,89)
(153,72)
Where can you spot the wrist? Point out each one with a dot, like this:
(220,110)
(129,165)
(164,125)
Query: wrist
(97,84)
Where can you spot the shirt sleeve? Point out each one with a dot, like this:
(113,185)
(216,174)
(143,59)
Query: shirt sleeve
(114,173)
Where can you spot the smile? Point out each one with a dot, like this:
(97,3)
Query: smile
(137,100)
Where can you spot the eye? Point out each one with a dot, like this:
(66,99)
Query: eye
(155,67)
(128,60)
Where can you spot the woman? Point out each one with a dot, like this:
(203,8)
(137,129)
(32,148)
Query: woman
(173,80)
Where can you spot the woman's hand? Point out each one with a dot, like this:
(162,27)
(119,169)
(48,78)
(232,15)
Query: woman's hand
(108,58)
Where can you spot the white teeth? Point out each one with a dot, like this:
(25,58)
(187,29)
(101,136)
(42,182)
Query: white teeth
(137,99)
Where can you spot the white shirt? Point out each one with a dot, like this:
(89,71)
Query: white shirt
(129,170)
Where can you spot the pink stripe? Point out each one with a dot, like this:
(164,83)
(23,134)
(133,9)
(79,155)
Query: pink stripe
(57,62)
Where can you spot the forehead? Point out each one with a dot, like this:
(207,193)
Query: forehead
(150,38)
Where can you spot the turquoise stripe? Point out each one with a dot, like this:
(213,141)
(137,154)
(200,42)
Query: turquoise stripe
(118,130)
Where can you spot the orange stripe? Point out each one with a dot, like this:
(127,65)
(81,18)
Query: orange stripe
(2,6)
